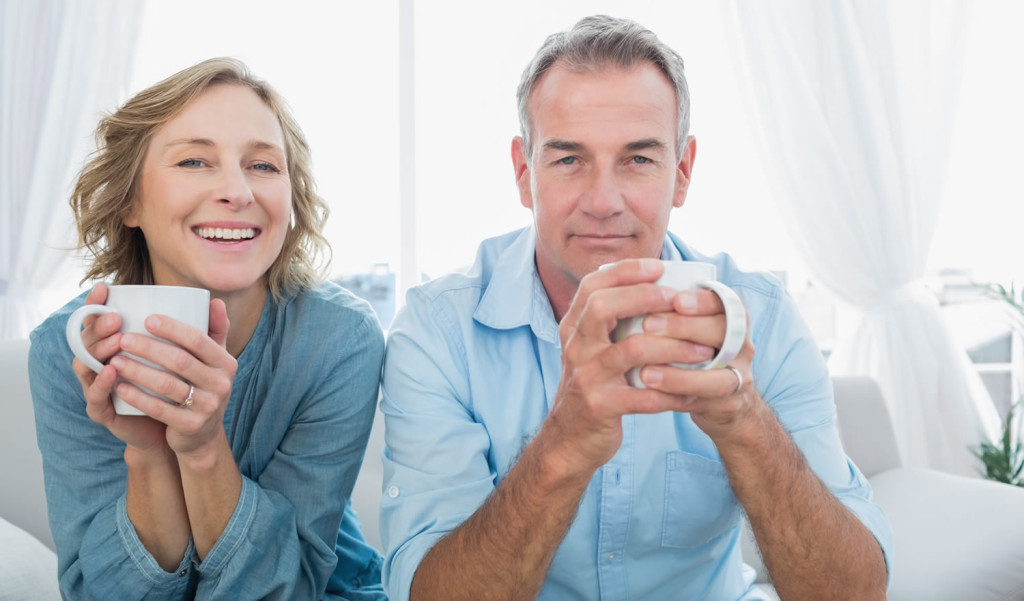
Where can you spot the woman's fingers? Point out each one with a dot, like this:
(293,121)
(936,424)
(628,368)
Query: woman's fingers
(98,405)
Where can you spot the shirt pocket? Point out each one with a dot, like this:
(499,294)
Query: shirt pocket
(699,503)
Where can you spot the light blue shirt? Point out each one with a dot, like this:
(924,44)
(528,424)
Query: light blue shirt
(298,419)
(471,370)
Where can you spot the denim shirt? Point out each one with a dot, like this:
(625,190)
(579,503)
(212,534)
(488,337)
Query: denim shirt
(298,420)
(470,373)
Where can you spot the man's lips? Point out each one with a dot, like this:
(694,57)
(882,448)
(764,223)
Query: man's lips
(601,236)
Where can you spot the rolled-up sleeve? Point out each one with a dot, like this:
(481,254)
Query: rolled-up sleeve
(280,540)
(793,379)
(99,555)
(436,468)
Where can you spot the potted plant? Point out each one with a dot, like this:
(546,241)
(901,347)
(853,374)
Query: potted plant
(1004,461)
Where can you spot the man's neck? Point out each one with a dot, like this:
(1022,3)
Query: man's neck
(559,287)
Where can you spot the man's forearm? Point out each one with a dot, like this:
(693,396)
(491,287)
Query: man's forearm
(504,549)
(812,545)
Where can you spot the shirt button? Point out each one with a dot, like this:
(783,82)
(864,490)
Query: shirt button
(183,573)
(392,491)
(610,557)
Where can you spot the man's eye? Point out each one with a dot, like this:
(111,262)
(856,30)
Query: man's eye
(641,160)
(567,160)
(191,163)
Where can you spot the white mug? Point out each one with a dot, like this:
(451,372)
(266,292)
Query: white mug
(134,304)
(691,275)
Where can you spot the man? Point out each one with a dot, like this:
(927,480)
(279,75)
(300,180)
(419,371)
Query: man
(520,464)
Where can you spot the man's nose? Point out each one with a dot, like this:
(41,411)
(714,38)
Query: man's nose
(603,196)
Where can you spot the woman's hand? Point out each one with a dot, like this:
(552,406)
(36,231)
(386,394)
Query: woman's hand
(102,337)
(200,358)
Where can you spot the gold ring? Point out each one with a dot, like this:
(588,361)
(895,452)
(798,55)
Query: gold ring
(188,400)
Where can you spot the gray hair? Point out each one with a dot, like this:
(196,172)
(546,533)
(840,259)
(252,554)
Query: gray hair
(598,41)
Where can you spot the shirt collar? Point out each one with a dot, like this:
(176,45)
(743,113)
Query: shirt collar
(515,295)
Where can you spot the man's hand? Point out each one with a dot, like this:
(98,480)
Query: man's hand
(593,395)
(719,404)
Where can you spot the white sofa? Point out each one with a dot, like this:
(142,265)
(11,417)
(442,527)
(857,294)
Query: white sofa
(28,566)
(956,539)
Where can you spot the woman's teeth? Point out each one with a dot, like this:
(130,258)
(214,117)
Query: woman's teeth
(217,233)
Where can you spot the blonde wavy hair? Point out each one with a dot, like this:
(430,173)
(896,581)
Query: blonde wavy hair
(106,185)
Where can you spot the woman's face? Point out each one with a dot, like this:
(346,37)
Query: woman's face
(214,194)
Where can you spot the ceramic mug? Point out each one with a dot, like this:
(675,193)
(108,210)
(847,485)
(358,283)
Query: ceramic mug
(134,304)
(692,275)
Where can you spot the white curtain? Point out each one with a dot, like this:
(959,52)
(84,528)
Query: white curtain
(853,103)
(62,63)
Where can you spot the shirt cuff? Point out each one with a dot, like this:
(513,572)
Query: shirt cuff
(143,559)
(234,533)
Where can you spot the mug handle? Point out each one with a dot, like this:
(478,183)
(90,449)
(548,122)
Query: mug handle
(735,326)
(73,332)
(735,333)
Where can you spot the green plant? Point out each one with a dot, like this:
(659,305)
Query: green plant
(1004,462)
(1010,297)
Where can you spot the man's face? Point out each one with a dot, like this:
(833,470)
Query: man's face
(603,173)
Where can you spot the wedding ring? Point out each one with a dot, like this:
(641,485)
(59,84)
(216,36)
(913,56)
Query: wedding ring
(192,390)
(739,379)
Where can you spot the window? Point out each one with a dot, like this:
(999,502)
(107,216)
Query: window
(336,65)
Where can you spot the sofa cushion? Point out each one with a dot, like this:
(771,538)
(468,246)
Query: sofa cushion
(28,568)
(23,501)
(954,538)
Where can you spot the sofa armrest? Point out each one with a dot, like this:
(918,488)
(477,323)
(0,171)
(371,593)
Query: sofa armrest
(954,538)
(23,502)
(864,425)
(28,568)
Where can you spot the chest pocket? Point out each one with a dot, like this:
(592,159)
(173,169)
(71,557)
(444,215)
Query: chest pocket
(699,503)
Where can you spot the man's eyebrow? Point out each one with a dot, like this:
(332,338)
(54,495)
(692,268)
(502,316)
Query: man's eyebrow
(645,144)
(565,145)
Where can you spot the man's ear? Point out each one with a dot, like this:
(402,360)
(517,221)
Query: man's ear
(521,165)
(684,170)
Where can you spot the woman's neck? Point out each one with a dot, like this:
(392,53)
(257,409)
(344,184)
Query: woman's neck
(244,309)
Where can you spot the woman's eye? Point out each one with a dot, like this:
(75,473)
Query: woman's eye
(191,163)
(266,167)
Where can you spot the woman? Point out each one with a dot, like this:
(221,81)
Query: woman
(241,490)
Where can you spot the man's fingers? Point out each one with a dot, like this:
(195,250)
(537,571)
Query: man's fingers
(707,330)
(604,308)
(697,302)
(623,273)
(643,349)
(636,401)
(701,383)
